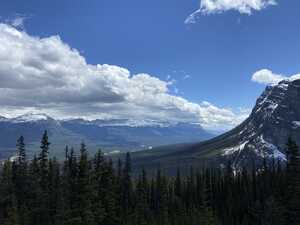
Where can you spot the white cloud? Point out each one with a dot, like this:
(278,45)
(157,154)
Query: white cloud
(266,76)
(47,75)
(186,76)
(219,6)
(17,21)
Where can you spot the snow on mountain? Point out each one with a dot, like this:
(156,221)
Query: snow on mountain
(129,123)
(263,135)
(234,149)
(121,135)
(275,117)
(31,117)
(296,124)
(2,119)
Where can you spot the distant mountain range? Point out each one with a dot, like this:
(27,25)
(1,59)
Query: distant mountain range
(275,117)
(109,135)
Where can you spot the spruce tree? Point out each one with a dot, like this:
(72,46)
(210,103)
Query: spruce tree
(55,193)
(142,200)
(44,161)
(85,188)
(43,212)
(110,196)
(21,152)
(8,203)
(126,190)
(70,190)
(98,192)
(161,199)
(21,182)
(293,183)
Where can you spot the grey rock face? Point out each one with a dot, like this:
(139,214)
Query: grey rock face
(264,134)
(275,117)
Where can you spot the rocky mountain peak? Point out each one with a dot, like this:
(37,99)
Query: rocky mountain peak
(275,117)
(264,134)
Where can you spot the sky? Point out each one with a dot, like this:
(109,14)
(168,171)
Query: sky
(199,61)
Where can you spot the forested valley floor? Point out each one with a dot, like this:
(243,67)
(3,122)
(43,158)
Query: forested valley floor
(91,190)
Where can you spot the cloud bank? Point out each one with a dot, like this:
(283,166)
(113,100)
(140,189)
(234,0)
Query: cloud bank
(266,76)
(219,6)
(17,21)
(46,74)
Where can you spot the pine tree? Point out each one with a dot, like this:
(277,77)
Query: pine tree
(70,190)
(34,192)
(98,194)
(43,210)
(142,200)
(119,186)
(8,204)
(110,196)
(293,183)
(92,192)
(161,199)
(21,152)
(21,182)
(55,193)
(126,191)
(273,213)
(178,184)
(85,188)
(44,161)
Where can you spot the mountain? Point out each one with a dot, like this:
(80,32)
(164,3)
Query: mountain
(109,135)
(275,117)
(31,126)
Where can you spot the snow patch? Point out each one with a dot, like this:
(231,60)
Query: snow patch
(296,124)
(272,106)
(283,86)
(238,148)
(112,152)
(274,151)
(13,158)
(30,117)
(294,77)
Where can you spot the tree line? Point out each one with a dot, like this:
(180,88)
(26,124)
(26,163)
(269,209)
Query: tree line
(85,190)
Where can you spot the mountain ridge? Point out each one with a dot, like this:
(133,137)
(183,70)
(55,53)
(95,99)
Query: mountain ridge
(109,135)
(275,117)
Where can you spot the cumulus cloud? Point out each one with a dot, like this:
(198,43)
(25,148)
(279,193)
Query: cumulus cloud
(47,75)
(17,21)
(219,6)
(266,76)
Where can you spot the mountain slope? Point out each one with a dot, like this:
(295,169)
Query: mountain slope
(32,126)
(110,135)
(275,117)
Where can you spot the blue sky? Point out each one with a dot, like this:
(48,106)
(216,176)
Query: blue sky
(211,59)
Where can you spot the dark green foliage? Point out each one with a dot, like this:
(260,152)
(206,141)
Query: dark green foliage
(21,152)
(293,183)
(126,191)
(91,191)
(8,203)
(43,210)
(84,188)
(99,211)
(21,182)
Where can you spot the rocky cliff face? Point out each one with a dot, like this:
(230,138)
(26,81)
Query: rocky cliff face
(275,117)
